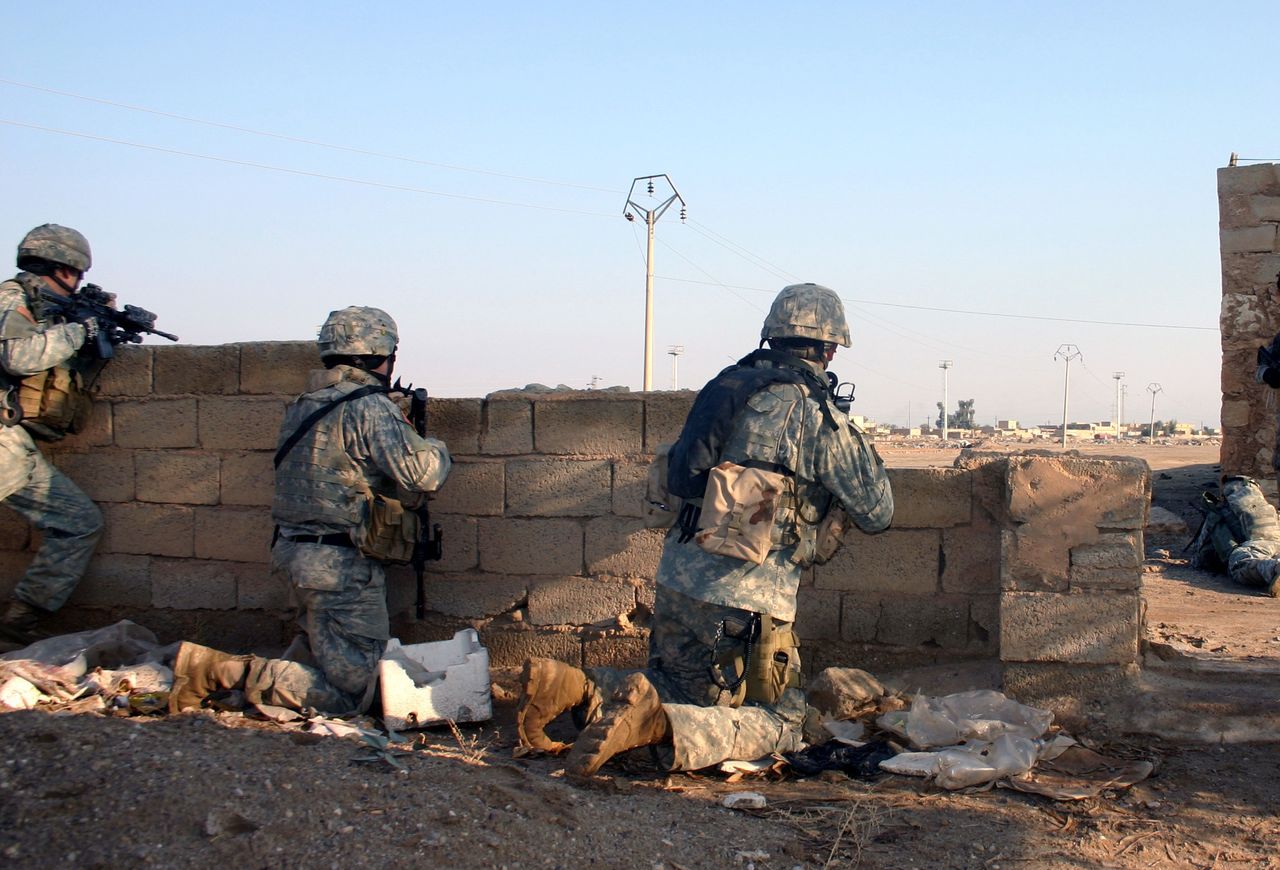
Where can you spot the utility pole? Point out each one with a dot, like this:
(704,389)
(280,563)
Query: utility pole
(675,350)
(1117,376)
(651,216)
(1153,388)
(945,365)
(1067,352)
(1124,393)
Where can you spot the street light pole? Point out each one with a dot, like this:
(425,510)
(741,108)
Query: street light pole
(675,350)
(945,365)
(1153,388)
(651,216)
(1067,352)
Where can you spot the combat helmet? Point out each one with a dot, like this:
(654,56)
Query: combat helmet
(358,331)
(807,311)
(56,244)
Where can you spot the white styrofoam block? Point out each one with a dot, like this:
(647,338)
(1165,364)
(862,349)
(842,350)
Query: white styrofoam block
(427,683)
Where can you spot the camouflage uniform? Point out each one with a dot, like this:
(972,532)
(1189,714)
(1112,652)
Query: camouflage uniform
(71,523)
(1253,561)
(341,595)
(699,592)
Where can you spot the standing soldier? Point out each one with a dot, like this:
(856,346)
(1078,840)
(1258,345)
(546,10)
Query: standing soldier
(779,461)
(46,369)
(346,462)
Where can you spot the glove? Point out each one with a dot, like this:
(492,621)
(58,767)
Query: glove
(91,329)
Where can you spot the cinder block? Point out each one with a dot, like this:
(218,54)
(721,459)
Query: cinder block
(1105,578)
(1089,628)
(1265,208)
(193,369)
(936,620)
(15,531)
(434,627)
(603,426)
(859,618)
(456,422)
(931,498)
(474,596)
(971,560)
(1235,414)
(508,426)
(629,481)
(240,423)
(621,651)
(129,373)
(536,546)
(558,487)
(1260,239)
(990,486)
(191,584)
(258,589)
(97,431)
(153,423)
(233,534)
(104,474)
(173,477)
(622,547)
(905,561)
(818,615)
(473,488)
(664,416)
(1070,691)
(148,529)
(425,683)
(1249,179)
(114,581)
(984,623)
(278,367)
(1114,550)
(512,648)
(247,478)
(579,600)
(461,552)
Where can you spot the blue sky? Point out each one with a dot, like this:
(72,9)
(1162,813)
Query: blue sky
(1050,160)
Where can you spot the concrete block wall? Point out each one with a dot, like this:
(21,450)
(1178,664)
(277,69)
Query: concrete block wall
(1249,221)
(545,548)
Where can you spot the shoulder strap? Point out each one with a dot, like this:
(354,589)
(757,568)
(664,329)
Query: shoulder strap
(314,417)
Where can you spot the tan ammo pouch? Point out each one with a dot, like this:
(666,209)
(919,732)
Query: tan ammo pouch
(775,662)
(740,509)
(390,532)
(661,508)
(54,402)
(818,544)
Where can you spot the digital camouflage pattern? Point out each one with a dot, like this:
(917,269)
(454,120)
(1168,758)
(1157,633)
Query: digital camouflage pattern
(707,725)
(784,426)
(358,331)
(364,445)
(807,311)
(1256,563)
(70,522)
(57,244)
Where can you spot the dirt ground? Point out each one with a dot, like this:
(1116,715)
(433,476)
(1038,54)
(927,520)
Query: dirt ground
(200,788)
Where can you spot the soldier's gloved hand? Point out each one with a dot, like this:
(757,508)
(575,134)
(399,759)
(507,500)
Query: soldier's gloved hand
(402,401)
(91,328)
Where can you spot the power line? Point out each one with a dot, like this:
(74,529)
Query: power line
(969,311)
(734,248)
(304,141)
(303,172)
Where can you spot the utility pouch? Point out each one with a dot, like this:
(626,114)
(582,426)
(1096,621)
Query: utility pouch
(775,663)
(740,508)
(390,532)
(830,534)
(54,402)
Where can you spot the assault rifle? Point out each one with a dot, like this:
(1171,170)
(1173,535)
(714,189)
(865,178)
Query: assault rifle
(430,543)
(114,327)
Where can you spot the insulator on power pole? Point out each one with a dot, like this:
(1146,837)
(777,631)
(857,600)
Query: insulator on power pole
(629,216)
(651,214)
(651,188)
(683,214)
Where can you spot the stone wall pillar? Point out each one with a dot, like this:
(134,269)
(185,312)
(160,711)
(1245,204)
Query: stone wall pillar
(1249,208)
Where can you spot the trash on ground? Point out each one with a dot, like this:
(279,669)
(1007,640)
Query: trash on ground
(744,800)
(427,683)
(860,762)
(1078,773)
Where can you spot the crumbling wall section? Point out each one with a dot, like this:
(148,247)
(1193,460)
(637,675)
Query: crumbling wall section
(1249,211)
(1032,559)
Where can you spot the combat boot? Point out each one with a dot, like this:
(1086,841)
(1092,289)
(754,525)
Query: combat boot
(632,718)
(18,623)
(199,671)
(547,689)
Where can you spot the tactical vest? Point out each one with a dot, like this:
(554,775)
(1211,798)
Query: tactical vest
(56,401)
(317,482)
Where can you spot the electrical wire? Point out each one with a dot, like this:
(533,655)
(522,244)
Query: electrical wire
(736,249)
(304,141)
(306,173)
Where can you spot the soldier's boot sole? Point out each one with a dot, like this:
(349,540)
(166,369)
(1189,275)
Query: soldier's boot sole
(199,671)
(547,689)
(632,718)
